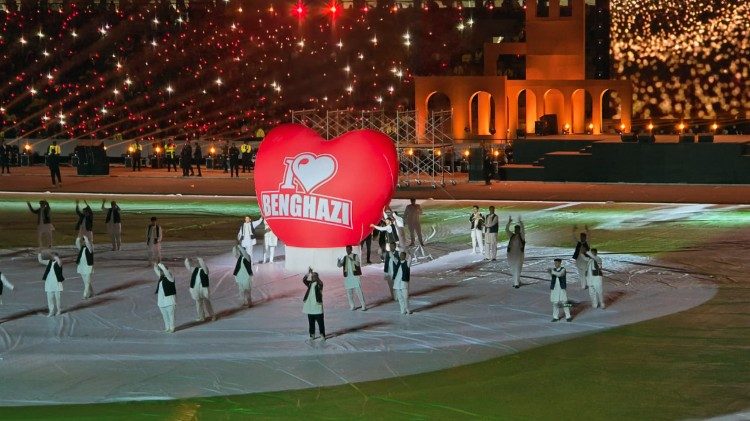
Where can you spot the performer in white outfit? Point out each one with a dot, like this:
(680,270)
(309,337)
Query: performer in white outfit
(154,236)
(390,257)
(477,226)
(312,303)
(401,277)
(114,224)
(246,235)
(270,241)
(390,230)
(85,264)
(243,274)
(594,278)
(85,225)
(53,282)
(165,295)
(491,225)
(516,246)
(4,283)
(44,227)
(412,215)
(352,271)
(398,222)
(581,260)
(558,296)
(199,289)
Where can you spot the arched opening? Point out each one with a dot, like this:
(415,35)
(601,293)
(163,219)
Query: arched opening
(438,101)
(582,119)
(554,104)
(611,111)
(481,114)
(526,110)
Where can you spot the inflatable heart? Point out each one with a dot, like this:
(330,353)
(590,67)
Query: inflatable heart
(317,193)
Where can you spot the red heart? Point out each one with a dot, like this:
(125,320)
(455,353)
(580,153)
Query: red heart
(316,193)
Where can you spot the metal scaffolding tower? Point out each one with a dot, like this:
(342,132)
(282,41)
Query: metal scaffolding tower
(427,159)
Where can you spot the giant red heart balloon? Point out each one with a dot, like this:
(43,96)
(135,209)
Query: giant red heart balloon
(318,193)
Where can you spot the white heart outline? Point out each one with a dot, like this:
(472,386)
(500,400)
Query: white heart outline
(293,165)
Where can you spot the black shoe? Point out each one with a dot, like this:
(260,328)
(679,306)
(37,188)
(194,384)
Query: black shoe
(516,286)
(569,319)
(369,262)
(555,320)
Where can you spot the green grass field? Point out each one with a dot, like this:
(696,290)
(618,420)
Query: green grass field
(692,364)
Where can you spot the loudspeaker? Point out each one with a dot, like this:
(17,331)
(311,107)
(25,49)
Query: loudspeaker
(539,128)
(705,138)
(646,138)
(550,124)
(628,138)
(92,160)
(686,138)
(476,164)
(520,133)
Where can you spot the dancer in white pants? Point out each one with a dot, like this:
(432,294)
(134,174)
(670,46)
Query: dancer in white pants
(246,235)
(243,274)
(4,283)
(390,257)
(154,237)
(44,227)
(114,224)
(165,295)
(270,241)
(516,247)
(558,296)
(401,276)
(53,282)
(477,226)
(85,264)
(199,289)
(85,225)
(581,261)
(491,225)
(594,278)
(352,271)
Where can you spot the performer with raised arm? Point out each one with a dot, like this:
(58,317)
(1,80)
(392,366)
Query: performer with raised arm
(165,295)
(53,282)
(44,227)
(154,237)
(85,264)
(313,303)
(594,277)
(477,226)
(199,289)
(558,296)
(491,225)
(85,225)
(270,241)
(243,274)
(581,260)
(246,235)
(401,277)
(352,271)
(114,224)
(4,283)
(516,246)
(390,230)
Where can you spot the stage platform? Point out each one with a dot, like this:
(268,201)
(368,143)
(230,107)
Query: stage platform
(606,159)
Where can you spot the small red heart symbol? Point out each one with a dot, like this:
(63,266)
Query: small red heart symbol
(318,193)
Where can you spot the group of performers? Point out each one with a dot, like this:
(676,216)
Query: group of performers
(483,234)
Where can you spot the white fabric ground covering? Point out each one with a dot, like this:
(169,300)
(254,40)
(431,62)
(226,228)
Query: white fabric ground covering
(112,347)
